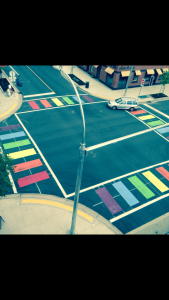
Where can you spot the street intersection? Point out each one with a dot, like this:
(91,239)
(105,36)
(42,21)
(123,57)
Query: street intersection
(125,181)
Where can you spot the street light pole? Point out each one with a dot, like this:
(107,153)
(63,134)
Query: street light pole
(81,160)
(128,80)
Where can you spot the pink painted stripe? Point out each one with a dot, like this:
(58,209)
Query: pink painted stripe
(33,105)
(108,200)
(33,178)
(88,99)
(45,103)
(163,172)
(137,112)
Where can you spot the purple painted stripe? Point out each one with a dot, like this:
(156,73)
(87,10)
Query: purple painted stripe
(10,127)
(88,99)
(108,200)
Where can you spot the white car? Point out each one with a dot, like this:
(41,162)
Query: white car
(123,103)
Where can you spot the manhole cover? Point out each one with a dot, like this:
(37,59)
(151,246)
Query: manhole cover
(158,95)
(144,96)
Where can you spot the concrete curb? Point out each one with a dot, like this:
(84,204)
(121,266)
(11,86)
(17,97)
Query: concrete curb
(65,201)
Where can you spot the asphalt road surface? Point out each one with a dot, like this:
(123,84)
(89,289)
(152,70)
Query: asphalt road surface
(126,182)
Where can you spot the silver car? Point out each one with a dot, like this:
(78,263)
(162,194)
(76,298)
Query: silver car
(123,103)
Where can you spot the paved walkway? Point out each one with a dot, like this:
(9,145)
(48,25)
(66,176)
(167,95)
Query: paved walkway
(9,105)
(99,89)
(47,214)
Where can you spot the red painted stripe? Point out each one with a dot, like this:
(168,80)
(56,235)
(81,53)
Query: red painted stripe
(137,112)
(33,178)
(163,172)
(33,105)
(28,165)
(45,103)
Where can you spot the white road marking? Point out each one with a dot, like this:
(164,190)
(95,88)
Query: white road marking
(14,70)
(117,178)
(138,208)
(40,153)
(124,138)
(153,114)
(51,97)
(24,112)
(38,95)
(98,203)
(157,111)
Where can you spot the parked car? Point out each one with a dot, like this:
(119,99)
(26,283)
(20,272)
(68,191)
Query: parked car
(123,103)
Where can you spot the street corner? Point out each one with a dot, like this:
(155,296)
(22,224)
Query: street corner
(9,105)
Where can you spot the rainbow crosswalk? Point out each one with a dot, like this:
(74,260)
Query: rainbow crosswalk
(22,153)
(146,116)
(134,190)
(58,101)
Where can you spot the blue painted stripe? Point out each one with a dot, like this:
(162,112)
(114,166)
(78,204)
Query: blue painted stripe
(162,130)
(125,193)
(12,135)
(75,97)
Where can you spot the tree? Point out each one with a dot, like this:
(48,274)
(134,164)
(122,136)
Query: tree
(5,167)
(164,79)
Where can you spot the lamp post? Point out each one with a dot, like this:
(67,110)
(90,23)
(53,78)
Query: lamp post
(81,160)
(128,80)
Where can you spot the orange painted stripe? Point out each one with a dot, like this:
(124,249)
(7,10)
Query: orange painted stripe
(27,165)
(163,172)
(45,103)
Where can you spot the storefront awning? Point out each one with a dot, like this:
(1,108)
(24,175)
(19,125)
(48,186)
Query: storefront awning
(138,72)
(159,71)
(150,71)
(125,73)
(165,70)
(109,70)
(95,66)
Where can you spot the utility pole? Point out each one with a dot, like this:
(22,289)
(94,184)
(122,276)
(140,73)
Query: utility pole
(128,80)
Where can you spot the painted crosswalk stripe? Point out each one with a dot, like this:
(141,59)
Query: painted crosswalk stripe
(138,112)
(125,193)
(67,100)
(157,182)
(12,135)
(163,172)
(57,102)
(5,128)
(88,99)
(155,123)
(75,97)
(27,165)
(33,105)
(24,181)
(143,189)
(45,103)
(108,200)
(163,130)
(146,117)
(16,144)
(20,154)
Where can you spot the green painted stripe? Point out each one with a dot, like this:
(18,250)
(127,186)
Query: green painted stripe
(67,100)
(143,189)
(16,144)
(155,123)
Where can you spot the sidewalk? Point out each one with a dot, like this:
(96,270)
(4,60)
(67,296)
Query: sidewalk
(47,214)
(9,105)
(99,89)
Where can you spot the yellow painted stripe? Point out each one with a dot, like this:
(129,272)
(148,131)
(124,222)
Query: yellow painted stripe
(40,79)
(60,205)
(146,117)
(158,183)
(57,101)
(8,111)
(23,153)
